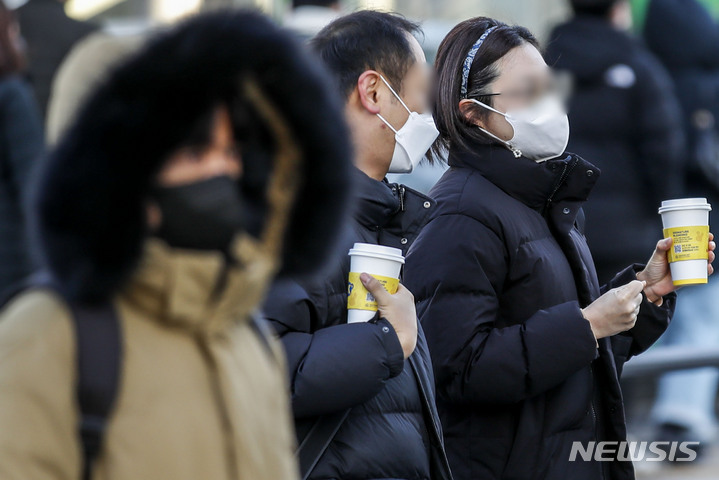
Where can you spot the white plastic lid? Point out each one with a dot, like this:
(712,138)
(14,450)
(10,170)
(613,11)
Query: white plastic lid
(684,204)
(381,251)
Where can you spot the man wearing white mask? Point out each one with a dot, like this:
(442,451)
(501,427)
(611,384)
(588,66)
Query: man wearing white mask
(362,393)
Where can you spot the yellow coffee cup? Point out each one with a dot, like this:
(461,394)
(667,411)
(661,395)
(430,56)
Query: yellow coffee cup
(686,221)
(383,263)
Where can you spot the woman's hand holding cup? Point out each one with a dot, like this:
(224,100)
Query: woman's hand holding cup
(657,273)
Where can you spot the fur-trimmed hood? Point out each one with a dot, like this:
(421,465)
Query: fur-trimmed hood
(88,212)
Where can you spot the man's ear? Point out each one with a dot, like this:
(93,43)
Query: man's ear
(470,112)
(368,91)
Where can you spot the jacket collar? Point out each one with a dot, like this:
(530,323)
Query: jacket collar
(375,202)
(379,204)
(395,212)
(565,181)
(199,291)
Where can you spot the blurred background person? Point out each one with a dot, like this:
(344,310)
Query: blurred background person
(684,36)
(21,146)
(89,62)
(625,119)
(50,35)
(308,17)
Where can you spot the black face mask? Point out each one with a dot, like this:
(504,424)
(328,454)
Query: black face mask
(204,215)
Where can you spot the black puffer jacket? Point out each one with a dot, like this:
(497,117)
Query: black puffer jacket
(500,274)
(626,120)
(21,149)
(392,431)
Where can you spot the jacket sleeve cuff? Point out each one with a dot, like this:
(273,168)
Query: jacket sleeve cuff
(390,341)
(653,319)
(625,276)
(652,322)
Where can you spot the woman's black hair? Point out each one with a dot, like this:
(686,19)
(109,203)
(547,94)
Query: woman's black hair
(454,129)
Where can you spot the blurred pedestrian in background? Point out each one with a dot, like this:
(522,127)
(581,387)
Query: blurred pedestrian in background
(686,39)
(363,393)
(626,120)
(191,176)
(89,62)
(50,35)
(21,147)
(526,346)
(308,17)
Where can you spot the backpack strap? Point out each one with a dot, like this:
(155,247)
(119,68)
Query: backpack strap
(318,439)
(99,355)
(98,340)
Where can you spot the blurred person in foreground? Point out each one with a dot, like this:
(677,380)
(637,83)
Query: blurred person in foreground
(686,39)
(363,393)
(626,120)
(21,147)
(50,35)
(188,180)
(527,348)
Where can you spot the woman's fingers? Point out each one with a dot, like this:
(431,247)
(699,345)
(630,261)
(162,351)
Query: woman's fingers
(712,255)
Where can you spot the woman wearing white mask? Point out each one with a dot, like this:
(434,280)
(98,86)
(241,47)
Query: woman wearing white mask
(527,348)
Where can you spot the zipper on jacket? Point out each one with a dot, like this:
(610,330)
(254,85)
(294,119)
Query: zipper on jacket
(432,425)
(230,442)
(567,170)
(402,193)
(517,152)
(595,418)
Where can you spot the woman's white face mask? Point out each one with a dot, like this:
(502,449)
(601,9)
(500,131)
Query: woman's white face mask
(541,131)
(413,140)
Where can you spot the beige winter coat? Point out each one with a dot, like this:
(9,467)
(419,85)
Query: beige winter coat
(200,396)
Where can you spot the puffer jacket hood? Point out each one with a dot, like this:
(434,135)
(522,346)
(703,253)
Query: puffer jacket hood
(88,212)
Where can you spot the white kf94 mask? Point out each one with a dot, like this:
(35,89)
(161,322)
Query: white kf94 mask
(541,131)
(413,140)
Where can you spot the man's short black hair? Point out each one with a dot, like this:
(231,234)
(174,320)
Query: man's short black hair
(314,3)
(367,40)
